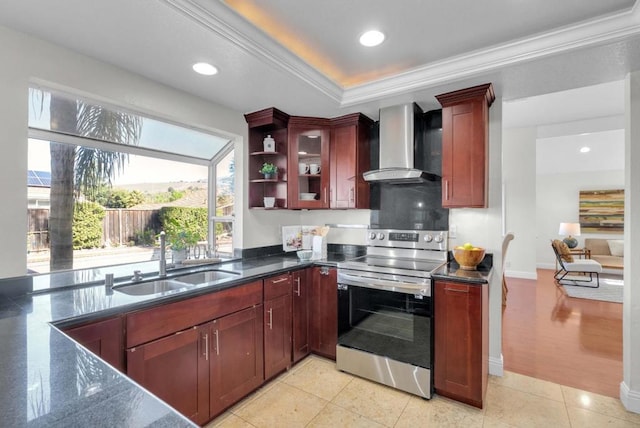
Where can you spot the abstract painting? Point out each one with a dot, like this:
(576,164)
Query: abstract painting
(602,211)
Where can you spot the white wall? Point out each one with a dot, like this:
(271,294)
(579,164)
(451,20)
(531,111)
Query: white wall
(557,199)
(27,59)
(518,176)
(630,386)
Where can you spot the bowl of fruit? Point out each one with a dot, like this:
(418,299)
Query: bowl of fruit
(468,256)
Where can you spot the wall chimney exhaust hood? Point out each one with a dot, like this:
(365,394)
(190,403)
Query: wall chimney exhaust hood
(398,143)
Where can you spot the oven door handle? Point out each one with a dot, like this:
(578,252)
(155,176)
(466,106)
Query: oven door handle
(381,284)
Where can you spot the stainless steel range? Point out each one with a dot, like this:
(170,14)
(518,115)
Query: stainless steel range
(385,309)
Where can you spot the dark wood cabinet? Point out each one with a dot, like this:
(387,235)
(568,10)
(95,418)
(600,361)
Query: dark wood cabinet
(323,312)
(236,357)
(200,355)
(320,161)
(309,146)
(300,309)
(277,324)
(175,369)
(461,341)
(150,324)
(349,159)
(103,338)
(274,123)
(465,146)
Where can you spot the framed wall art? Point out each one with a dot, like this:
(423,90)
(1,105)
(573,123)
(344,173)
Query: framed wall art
(602,211)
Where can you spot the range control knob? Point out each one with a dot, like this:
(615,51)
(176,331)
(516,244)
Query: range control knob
(439,238)
(372,235)
(428,238)
(381,236)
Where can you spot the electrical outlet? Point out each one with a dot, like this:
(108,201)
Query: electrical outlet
(453,230)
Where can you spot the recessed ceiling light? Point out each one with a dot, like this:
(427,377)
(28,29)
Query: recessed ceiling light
(205,69)
(585,149)
(371,38)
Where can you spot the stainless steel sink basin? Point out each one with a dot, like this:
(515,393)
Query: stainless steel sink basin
(182,282)
(154,287)
(206,276)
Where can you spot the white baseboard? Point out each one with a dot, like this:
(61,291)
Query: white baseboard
(496,366)
(520,274)
(630,399)
(550,266)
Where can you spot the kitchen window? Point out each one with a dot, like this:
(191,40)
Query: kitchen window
(103,181)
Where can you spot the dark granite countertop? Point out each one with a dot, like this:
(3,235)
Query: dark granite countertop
(47,379)
(452,272)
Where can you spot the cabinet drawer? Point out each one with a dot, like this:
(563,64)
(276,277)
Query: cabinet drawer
(277,286)
(149,324)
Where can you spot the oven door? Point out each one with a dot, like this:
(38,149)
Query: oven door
(387,320)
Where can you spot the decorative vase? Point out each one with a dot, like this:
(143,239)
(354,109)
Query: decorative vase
(269,144)
(178,256)
(570,241)
(269,201)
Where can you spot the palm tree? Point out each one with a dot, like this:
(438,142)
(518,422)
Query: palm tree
(77,170)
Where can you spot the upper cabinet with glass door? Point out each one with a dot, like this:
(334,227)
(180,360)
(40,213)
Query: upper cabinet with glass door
(309,162)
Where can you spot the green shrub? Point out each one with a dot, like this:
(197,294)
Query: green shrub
(87,225)
(117,198)
(184,224)
(120,198)
(145,237)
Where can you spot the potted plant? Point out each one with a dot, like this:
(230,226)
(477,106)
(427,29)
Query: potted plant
(269,170)
(179,242)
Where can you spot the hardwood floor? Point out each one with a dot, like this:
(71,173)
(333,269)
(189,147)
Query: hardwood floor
(550,336)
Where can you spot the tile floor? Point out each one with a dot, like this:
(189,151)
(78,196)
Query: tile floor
(314,394)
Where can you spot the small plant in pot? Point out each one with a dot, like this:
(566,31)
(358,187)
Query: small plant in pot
(179,243)
(269,170)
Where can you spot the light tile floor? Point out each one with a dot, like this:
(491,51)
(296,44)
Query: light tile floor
(314,394)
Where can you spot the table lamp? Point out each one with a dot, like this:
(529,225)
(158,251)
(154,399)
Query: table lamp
(568,229)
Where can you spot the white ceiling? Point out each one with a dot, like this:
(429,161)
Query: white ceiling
(525,48)
(556,155)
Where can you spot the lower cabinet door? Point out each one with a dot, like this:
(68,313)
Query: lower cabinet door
(277,335)
(236,357)
(176,370)
(300,308)
(323,312)
(103,338)
(461,341)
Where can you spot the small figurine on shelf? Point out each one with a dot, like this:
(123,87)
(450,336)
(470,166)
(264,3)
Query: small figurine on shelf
(269,170)
(269,144)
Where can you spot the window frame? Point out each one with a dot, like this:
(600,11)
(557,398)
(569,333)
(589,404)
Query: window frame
(213,200)
(212,191)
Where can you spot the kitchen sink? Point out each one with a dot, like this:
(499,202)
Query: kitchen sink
(206,276)
(181,282)
(153,287)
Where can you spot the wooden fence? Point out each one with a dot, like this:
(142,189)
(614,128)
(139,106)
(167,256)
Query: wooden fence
(119,226)
(38,231)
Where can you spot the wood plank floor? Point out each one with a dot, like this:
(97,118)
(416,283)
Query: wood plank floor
(550,336)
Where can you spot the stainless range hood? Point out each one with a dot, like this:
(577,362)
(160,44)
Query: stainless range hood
(397,147)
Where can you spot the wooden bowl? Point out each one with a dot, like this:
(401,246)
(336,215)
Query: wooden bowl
(468,259)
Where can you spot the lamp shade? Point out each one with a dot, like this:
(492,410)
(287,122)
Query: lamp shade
(568,229)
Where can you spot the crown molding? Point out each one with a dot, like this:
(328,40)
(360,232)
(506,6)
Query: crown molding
(606,29)
(225,22)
